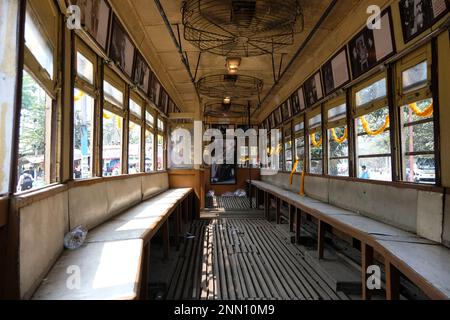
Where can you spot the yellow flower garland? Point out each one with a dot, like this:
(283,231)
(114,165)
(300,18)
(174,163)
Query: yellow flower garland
(427,112)
(316,143)
(337,139)
(377,132)
(294,170)
(79,96)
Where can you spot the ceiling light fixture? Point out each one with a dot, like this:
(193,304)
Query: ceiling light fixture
(227,100)
(233,65)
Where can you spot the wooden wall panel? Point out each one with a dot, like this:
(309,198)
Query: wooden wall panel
(189,179)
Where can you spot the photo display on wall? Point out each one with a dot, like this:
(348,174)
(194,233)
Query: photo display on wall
(95,19)
(295,102)
(419,15)
(313,89)
(370,47)
(278,116)
(301,99)
(141,73)
(336,72)
(286,110)
(121,49)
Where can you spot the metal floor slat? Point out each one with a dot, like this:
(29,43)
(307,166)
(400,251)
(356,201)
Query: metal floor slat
(244,258)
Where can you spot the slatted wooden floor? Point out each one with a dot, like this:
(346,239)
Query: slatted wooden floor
(244,258)
(228,203)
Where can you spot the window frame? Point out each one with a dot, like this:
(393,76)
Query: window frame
(310,114)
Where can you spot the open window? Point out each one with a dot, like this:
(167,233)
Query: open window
(135,125)
(84,110)
(299,135)
(416,117)
(38,127)
(149,141)
(337,132)
(161,140)
(288,163)
(314,120)
(113,116)
(372,123)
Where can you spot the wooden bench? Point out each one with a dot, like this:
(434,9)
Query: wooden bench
(113,262)
(424,262)
(122,215)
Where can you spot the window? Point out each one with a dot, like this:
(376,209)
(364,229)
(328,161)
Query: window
(112,94)
(288,148)
(160,125)
(417,120)
(160,163)
(85,68)
(315,143)
(338,164)
(135,109)
(134,148)
(374,145)
(83,128)
(112,144)
(149,151)
(300,152)
(35,136)
(149,119)
(38,44)
(417,133)
(371,93)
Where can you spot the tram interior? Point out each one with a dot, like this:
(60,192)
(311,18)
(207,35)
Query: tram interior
(224,150)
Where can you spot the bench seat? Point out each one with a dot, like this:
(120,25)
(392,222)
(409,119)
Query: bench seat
(107,270)
(110,262)
(424,262)
(141,221)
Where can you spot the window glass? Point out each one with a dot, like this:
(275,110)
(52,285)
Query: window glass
(299,127)
(415,77)
(338,151)
(149,151)
(149,119)
(135,109)
(371,93)
(160,125)
(315,121)
(34,136)
(112,144)
(337,113)
(160,163)
(85,68)
(83,135)
(374,146)
(316,153)
(134,148)
(288,155)
(300,152)
(38,45)
(112,94)
(418,142)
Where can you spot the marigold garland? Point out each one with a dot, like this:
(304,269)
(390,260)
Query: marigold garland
(427,112)
(316,143)
(377,132)
(337,139)
(294,170)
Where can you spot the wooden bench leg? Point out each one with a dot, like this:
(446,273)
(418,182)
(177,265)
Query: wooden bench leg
(320,239)
(298,224)
(266,205)
(176,227)
(166,240)
(291,217)
(257,197)
(366,261)
(186,210)
(278,210)
(392,282)
(143,293)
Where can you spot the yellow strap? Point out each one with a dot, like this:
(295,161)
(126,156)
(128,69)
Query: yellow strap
(302,183)
(294,170)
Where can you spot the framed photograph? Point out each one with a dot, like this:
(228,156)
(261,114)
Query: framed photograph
(301,99)
(172,108)
(121,49)
(419,15)
(141,72)
(278,116)
(155,90)
(313,89)
(286,109)
(163,102)
(95,15)
(273,122)
(370,47)
(295,103)
(223,174)
(269,123)
(336,73)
